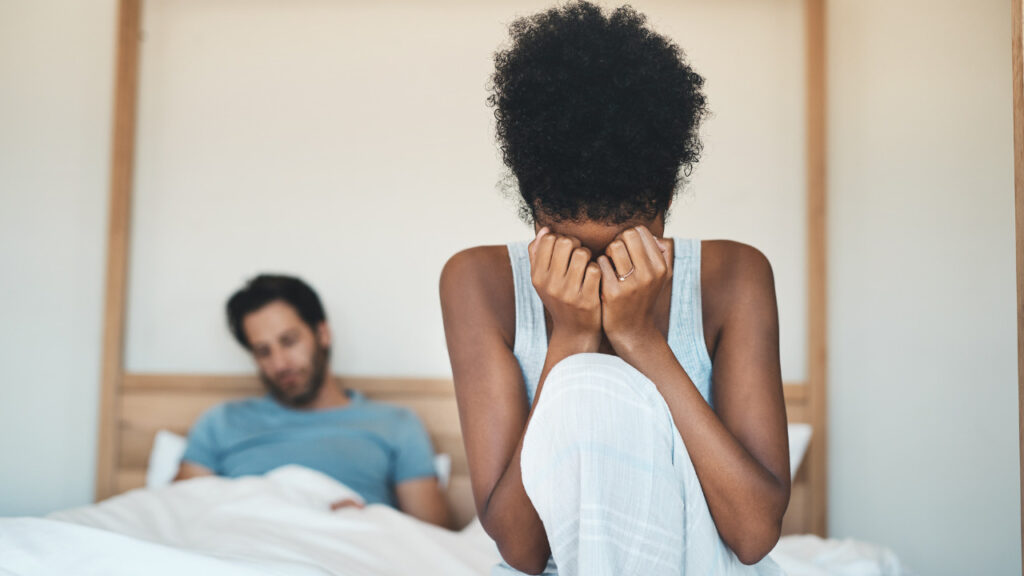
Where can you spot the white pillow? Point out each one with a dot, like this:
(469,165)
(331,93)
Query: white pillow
(799,438)
(165,458)
(443,467)
(168,448)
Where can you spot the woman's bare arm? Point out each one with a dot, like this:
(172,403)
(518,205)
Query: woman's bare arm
(740,450)
(492,406)
(476,300)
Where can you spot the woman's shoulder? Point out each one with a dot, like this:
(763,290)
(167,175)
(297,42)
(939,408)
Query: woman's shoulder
(479,266)
(729,260)
(732,272)
(479,282)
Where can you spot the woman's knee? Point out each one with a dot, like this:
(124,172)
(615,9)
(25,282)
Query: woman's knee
(597,398)
(600,377)
(594,411)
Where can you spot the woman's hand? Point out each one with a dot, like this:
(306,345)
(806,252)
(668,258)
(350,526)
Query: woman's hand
(634,272)
(569,285)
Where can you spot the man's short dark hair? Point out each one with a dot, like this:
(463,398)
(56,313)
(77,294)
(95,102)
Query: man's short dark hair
(597,116)
(267,288)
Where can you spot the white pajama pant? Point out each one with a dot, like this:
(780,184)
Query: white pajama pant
(610,477)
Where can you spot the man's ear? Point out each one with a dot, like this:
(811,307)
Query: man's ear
(323,334)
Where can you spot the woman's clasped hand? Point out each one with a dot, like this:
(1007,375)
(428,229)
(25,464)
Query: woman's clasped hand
(614,295)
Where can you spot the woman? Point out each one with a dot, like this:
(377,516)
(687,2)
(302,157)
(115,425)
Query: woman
(620,392)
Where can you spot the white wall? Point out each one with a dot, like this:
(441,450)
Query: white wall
(922,373)
(56,82)
(350,143)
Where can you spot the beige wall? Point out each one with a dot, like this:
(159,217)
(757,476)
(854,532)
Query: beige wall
(923,404)
(350,143)
(243,167)
(56,83)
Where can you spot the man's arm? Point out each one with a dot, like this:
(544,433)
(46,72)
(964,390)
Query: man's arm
(422,498)
(191,470)
(416,487)
(201,452)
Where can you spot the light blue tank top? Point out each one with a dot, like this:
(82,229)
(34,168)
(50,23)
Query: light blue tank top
(685,331)
(685,324)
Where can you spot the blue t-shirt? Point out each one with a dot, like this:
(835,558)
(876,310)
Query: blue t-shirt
(368,446)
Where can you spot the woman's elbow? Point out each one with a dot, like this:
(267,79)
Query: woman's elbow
(519,549)
(523,559)
(759,532)
(756,545)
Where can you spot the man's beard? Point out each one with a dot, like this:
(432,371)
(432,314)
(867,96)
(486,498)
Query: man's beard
(312,387)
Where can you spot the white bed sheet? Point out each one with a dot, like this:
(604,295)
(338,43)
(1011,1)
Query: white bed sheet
(281,524)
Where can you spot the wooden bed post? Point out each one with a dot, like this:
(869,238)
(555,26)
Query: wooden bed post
(814,12)
(1017,12)
(118,239)
(124,443)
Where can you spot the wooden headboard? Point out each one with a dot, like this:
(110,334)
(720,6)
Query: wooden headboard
(133,406)
(151,402)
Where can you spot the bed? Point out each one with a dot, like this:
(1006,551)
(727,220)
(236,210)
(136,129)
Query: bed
(134,405)
(281,523)
(150,403)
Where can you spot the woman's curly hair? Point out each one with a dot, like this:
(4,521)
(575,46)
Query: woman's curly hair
(597,116)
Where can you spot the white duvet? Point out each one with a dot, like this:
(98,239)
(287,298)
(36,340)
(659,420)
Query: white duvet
(281,524)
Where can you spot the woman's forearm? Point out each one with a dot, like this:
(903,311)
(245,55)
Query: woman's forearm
(745,499)
(511,520)
(509,515)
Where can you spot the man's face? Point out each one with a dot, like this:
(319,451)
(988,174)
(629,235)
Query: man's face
(292,359)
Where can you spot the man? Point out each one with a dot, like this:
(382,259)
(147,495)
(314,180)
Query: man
(380,451)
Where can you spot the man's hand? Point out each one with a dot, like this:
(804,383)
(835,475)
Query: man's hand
(347,503)
(634,272)
(569,285)
(191,470)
